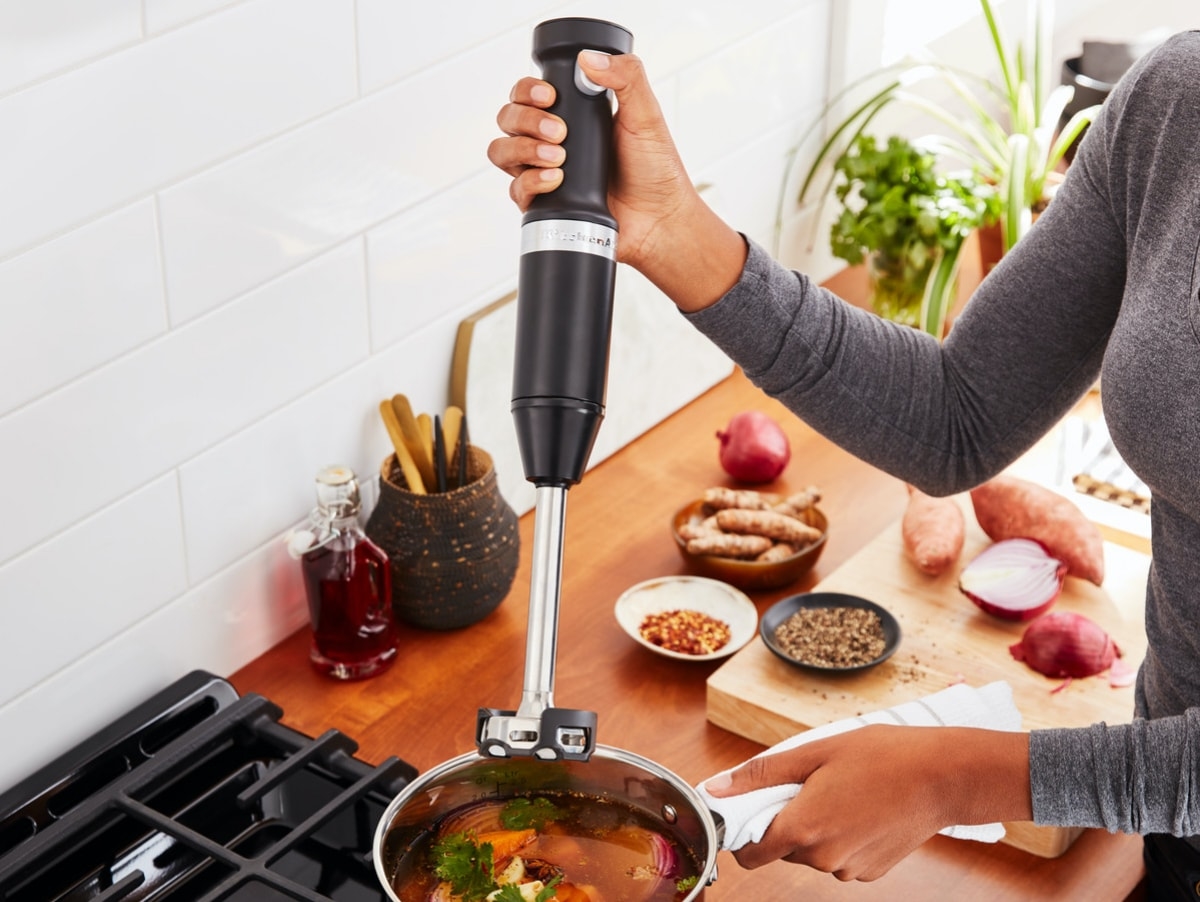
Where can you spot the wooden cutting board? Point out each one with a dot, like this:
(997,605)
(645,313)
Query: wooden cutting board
(945,639)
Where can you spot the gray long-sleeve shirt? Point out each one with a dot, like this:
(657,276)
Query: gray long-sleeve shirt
(1106,284)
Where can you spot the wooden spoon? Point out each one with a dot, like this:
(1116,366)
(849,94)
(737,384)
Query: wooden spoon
(418,449)
(451,423)
(408,466)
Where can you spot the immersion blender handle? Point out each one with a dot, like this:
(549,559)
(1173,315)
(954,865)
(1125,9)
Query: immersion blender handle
(568,267)
(587,110)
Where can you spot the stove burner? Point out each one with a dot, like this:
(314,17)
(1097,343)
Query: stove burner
(198,795)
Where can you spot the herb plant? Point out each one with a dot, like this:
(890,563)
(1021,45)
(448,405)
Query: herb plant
(1005,132)
(909,223)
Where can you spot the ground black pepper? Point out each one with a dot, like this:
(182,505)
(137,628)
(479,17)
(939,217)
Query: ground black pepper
(832,637)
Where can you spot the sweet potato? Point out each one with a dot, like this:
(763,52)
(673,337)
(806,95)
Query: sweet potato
(1008,507)
(933,530)
(506,843)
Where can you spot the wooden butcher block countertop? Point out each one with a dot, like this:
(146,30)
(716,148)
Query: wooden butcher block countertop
(945,639)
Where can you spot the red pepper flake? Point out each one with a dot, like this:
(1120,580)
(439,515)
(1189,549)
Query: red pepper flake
(685,631)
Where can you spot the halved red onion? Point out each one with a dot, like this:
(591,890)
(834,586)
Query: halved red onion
(1066,644)
(1014,578)
(666,857)
(662,861)
(483,817)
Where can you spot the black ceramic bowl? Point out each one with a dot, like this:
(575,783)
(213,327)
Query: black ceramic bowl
(782,610)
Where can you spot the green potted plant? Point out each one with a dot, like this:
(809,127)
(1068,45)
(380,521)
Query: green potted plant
(908,223)
(1006,133)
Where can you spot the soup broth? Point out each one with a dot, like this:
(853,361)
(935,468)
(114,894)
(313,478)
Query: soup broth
(568,848)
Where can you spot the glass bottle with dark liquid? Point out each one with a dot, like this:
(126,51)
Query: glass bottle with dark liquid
(348,584)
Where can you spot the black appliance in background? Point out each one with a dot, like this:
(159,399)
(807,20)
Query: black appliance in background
(198,795)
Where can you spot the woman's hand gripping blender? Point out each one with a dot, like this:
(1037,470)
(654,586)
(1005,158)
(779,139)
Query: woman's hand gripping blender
(668,233)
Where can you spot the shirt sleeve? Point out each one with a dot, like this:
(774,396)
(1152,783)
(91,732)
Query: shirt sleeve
(1130,778)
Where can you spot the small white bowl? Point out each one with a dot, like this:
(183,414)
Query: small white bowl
(693,593)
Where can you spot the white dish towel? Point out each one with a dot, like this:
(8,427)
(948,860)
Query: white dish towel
(747,816)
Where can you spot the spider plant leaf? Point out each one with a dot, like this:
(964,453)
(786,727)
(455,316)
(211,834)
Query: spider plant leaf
(939,288)
(993,131)
(1056,102)
(967,153)
(864,112)
(987,149)
(1025,120)
(1070,132)
(1017,212)
(1039,14)
(1001,55)
(1021,74)
(827,190)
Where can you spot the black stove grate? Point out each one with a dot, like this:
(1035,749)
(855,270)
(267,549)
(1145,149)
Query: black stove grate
(198,796)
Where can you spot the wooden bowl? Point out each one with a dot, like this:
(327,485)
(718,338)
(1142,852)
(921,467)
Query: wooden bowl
(750,574)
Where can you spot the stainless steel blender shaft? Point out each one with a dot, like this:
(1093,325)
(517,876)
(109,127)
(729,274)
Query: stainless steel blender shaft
(545,591)
(537,728)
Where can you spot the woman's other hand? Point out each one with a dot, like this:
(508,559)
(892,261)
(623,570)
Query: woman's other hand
(872,795)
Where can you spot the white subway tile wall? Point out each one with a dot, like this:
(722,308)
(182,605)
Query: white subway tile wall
(57,301)
(227,228)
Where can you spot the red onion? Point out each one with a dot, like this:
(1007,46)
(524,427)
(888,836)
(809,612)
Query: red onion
(753,447)
(1014,578)
(666,858)
(1065,644)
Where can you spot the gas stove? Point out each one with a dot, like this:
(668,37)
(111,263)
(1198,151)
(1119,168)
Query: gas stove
(198,795)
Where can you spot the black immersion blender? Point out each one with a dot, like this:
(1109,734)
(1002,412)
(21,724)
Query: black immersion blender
(564,323)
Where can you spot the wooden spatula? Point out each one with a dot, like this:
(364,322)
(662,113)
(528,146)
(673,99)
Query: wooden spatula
(412,475)
(418,449)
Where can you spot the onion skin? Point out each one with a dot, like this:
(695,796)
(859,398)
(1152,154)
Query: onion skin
(1066,644)
(753,447)
(1121,674)
(1014,579)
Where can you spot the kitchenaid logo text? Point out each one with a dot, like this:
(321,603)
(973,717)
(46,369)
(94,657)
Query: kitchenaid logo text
(569,235)
(557,235)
